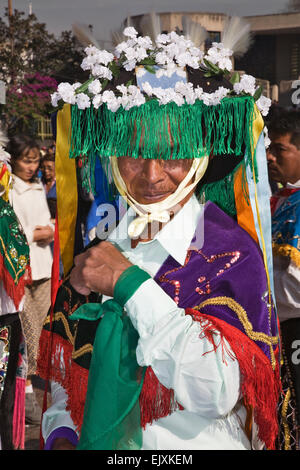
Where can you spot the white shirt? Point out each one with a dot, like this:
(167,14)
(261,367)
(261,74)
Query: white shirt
(30,205)
(207,387)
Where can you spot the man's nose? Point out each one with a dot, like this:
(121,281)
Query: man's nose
(153,170)
(270,156)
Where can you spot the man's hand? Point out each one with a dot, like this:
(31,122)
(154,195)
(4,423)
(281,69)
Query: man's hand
(98,269)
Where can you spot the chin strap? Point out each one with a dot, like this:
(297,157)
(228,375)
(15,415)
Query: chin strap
(159,211)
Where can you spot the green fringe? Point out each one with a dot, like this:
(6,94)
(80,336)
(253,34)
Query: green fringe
(220,192)
(166,131)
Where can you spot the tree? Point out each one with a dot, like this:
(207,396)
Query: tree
(28,101)
(28,49)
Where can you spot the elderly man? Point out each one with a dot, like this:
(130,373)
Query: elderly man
(163,336)
(284,167)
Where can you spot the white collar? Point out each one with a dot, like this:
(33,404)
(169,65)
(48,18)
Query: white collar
(21,186)
(175,237)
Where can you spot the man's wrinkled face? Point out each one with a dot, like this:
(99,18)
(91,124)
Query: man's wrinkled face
(152,180)
(283,159)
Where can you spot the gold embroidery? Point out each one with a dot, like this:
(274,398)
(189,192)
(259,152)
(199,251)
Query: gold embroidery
(10,262)
(60,316)
(242,315)
(83,350)
(284,420)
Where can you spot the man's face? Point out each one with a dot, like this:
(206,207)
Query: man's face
(283,159)
(149,181)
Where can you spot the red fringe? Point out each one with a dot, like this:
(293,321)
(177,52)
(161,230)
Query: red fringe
(260,385)
(14,291)
(73,378)
(19,415)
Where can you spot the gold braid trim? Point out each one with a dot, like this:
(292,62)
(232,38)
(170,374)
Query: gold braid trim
(289,251)
(242,315)
(16,273)
(83,350)
(284,420)
(60,316)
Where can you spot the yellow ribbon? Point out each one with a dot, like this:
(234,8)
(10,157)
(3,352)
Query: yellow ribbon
(66,188)
(258,126)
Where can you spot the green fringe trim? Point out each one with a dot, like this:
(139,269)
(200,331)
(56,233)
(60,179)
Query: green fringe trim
(164,131)
(220,192)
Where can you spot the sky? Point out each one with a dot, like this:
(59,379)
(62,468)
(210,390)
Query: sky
(107,15)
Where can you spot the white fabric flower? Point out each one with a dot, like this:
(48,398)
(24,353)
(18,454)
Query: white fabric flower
(67,92)
(247,85)
(147,88)
(83,101)
(102,72)
(95,87)
(130,32)
(264,104)
(97,101)
(129,65)
(266,137)
(55,98)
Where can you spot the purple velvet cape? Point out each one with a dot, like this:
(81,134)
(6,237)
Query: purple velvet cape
(239,274)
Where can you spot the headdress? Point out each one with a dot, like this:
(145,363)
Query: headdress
(165,97)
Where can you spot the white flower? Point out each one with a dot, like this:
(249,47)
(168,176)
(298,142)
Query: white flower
(129,65)
(162,39)
(95,87)
(147,88)
(121,48)
(267,138)
(104,57)
(263,104)
(66,92)
(102,72)
(83,101)
(246,85)
(220,56)
(130,32)
(97,101)
(145,42)
(113,103)
(198,92)
(55,98)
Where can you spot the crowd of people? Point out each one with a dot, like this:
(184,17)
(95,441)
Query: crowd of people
(180,330)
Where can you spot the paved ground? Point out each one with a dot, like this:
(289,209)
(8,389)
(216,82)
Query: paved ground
(32,433)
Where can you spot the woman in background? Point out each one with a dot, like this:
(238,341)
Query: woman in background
(28,200)
(48,180)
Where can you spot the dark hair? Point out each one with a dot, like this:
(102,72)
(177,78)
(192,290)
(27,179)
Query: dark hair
(286,122)
(18,144)
(48,157)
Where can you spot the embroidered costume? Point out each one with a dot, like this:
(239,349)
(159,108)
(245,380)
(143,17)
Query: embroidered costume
(15,274)
(186,354)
